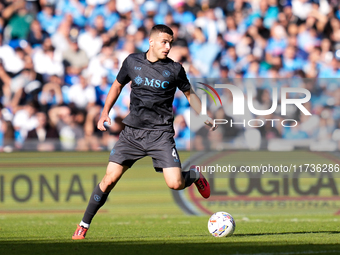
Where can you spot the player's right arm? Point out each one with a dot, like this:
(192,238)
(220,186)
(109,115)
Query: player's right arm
(111,99)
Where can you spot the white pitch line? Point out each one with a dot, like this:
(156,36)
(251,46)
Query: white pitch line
(286,253)
(245,219)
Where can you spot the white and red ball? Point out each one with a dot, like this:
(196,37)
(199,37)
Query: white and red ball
(221,224)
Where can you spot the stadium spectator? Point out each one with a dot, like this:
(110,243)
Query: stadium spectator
(277,42)
(24,120)
(290,61)
(231,35)
(3,129)
(71,134)
(141,40)
(43,137)
(269,131)
(81,94)
(309,123)
(11,58)
(180,44)
(128,48)
(36,35)
(158,10)
(74,60)
(237,5)
(48,61)
(94,3)
(307,38)
(60,39)
(25,85)
(102,90)
(212,24)
(108,11)
(229,58)
(18,20)
(258,43)
(74,7)
(301,8)
(326,54)
(182,133)
(48,19)
(180,15)
(253,70)
(261,29)
(99,25)
(229,132)
(331,70)
(5,86)
(90,41)
(102,65)
(269,11)
(108,139)
(193,7)
(51,93)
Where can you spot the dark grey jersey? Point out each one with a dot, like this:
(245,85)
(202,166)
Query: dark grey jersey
(152,90)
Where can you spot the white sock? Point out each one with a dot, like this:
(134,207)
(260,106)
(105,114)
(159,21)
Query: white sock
(85,225)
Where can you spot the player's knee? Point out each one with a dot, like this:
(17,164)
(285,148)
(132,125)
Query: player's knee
(114,171)
(177,185)
(111,177)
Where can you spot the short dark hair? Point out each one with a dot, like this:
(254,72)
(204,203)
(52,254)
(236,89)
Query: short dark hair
(161,29)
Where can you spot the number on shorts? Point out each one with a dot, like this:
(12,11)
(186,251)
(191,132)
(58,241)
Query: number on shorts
(174,153)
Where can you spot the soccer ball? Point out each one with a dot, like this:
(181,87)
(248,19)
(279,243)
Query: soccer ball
(221,224)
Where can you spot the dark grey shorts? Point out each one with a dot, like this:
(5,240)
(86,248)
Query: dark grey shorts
(134,144)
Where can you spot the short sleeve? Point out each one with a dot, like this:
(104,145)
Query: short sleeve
(123,75)
(182,81)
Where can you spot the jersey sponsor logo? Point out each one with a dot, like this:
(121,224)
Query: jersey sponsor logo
(138,80)
(138,68)
(151,82)
(166,73)
(156,83)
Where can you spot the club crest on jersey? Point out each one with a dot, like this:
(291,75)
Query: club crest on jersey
(138,80)
(166,73)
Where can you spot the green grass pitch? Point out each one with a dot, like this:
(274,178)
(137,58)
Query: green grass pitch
(139,218)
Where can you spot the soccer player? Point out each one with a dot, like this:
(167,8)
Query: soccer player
(149,125)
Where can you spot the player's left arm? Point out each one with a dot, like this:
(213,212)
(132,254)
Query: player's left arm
(196,104)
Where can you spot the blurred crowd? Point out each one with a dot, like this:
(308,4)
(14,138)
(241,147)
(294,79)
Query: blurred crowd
(58,60)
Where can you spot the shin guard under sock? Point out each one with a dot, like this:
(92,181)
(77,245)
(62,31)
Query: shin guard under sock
(97,200)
